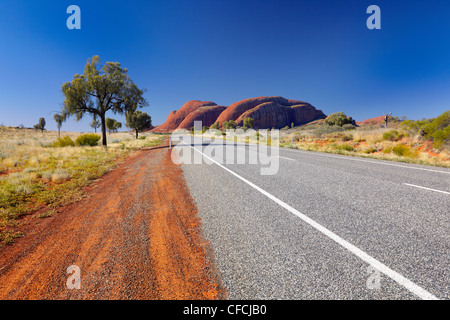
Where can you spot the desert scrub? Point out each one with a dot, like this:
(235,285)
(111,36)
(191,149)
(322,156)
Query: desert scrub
(38,173)
(393,135)
(56,184)
(370,150)
(64,142)
(88,139)
(345,147)
(400,150)
(8,237)
(403,151)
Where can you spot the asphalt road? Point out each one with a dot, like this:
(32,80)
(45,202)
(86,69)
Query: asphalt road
(323,226)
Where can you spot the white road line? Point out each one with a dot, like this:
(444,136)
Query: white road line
(413,185)
(286,158)
(363,160)
(408,284)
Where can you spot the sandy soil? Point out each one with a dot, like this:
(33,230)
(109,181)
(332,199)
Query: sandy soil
(136,235)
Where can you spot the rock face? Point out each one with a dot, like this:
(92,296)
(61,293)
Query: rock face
(267,112)
(271,112)
(207,115)
(175,118)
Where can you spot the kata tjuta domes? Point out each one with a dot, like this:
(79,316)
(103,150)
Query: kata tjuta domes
(267,112)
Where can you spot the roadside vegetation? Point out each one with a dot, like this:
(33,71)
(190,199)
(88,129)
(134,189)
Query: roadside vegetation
(40,172)
(424,141)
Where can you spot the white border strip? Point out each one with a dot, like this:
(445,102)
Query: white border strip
(355,158)
(408,284)
(413,185)
(286,158)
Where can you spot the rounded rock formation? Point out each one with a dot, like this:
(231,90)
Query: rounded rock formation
(175,118)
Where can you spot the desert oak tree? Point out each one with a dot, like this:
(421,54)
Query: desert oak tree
(138,121)
(59,119)
(99,89)
(40,125)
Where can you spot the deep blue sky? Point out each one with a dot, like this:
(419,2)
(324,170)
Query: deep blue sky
(225,50)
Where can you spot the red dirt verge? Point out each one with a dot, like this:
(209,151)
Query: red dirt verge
(136,235)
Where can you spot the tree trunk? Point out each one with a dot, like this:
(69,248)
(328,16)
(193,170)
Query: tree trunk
(59,135)
(137,134)
(102,117)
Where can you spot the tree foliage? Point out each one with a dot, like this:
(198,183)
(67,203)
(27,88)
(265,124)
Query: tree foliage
(95,124)
(215,125)
(113,125)
(138,121)
(40,125)
(337,119)
(229,124)
(249,122)
(102,88)
(59,119)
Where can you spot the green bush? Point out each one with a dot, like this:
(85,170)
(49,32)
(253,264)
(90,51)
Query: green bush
(229,125)
(345,147)
(215,125)
(249,122)
(63,142)
(387,150)
(88,139)
(348,126)
(435,129)
(402,151)
(370,150)
(338,119)
(441,137)
(347,137)
(391,135)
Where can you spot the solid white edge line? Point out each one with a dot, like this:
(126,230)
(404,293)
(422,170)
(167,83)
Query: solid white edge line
(286,158)
(408,284)
(344,157)
(413,185)
(354,158)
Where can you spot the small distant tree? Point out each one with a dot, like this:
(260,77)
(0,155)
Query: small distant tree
(111,124)
(117,126)
(138,121)
(40,125)
(59,119)
(95,124)
(249,122)
(229,124)
(215,126)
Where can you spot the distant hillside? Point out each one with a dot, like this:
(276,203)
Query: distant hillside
(372,121)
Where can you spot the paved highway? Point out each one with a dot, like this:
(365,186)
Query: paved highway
(324,226)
